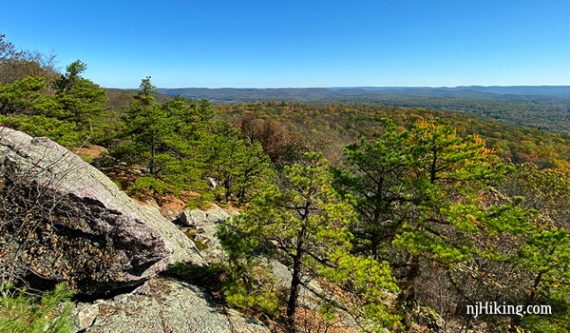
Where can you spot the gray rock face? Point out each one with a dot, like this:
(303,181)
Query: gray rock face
(202,227)
(85,315)
(189,218)
(91,235)
(184,249)
(216,214)
(164,305)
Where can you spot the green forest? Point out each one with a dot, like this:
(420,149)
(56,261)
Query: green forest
(544,107)
(403,215)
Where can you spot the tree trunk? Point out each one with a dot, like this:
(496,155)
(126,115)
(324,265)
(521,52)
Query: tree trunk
(241,193)
(294,291)
(376,235)
(228,186)
(408,294)
(379,205)
(376,239)
(152,163)
(297,269)
(433,168)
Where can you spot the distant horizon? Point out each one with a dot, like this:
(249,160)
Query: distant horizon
(357,87)
(369,92)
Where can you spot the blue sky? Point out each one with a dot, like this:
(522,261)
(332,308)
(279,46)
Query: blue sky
(309,43)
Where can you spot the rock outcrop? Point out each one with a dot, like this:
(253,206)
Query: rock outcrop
(202,227)
(163,305)
(190,218)
(84,230)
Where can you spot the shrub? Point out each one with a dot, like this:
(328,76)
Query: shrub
(22,313)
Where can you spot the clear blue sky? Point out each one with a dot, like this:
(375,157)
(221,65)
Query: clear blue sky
(308,43)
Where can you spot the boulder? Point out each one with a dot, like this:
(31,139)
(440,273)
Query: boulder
(190,218)
(78,226)
(429,318)
(215,214)
(202,226)
(212,182)
(163,305)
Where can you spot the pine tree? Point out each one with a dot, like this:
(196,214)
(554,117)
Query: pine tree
(147,126)
(22,313)
(254,169)
(546,255)
(26,96)
(447,171)
(407,186)
(377,176)
(80,100)
(304,221)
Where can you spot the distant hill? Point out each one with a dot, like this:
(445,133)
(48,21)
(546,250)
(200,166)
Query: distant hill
(370,93)
(543,107)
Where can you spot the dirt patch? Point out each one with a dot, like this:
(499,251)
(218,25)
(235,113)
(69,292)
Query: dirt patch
(91,151)
(170,205)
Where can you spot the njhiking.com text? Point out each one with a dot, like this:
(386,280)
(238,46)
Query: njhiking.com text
(495,308)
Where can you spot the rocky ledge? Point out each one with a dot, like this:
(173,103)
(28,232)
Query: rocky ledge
(71,223)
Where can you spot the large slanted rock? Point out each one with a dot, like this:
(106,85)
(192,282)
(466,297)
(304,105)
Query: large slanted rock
(85,231)
(163,305)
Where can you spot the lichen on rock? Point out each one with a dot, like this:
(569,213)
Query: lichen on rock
(67,221)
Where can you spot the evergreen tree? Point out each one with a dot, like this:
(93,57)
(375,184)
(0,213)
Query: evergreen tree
(377,176)
(27,96)
(22,313)
(80,100)
(447,171)
(255,168)
(304,222)
(238,165)
(546,256)
(407,185)
(147,125)
(71,116)
(185,151)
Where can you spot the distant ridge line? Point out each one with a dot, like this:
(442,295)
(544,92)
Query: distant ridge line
(341,93)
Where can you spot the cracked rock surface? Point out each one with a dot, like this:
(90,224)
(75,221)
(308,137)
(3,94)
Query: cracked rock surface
(164,305)
(75,225)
